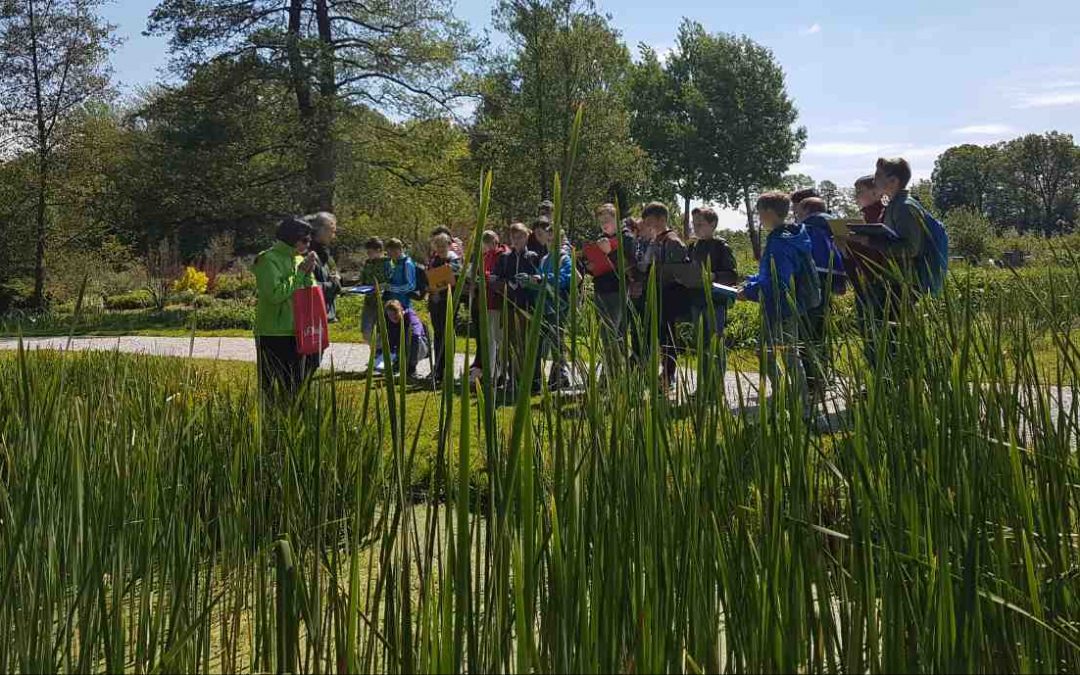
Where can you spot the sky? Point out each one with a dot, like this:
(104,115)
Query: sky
(869,78)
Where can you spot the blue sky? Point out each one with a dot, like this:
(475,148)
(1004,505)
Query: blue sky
(869,78)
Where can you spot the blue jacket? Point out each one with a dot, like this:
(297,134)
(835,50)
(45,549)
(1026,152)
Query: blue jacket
(557,281)
(823,249)
(402,281)
(561,278)
(784,250)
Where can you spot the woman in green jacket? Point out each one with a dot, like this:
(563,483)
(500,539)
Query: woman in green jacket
(280,270)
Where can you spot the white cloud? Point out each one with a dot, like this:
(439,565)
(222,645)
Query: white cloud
(1048,100)
(984,129)
(811,30)
(873,150)
(841,149)
(849,127)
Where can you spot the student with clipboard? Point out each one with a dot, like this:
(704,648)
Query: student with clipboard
(442,267)
(602,262)
(713,253)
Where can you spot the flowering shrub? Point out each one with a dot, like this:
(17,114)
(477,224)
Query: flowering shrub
(191,280)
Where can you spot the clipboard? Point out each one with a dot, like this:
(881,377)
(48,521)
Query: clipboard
(841,227)
(874,230)
(440,278)
(598,260)
(722,291)
(686,274)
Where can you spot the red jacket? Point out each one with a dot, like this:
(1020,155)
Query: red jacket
(490,258)
(864,262)
(875,213)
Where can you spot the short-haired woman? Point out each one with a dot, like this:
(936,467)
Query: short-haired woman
(324,232)
(279,271)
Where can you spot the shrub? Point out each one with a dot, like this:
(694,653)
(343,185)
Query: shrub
(234,285)
(970,233)
(16,293)
(225,314)
(202,301)
(186,297)
(191,280)
(137,299)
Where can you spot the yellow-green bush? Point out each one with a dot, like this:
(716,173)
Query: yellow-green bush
(191,280)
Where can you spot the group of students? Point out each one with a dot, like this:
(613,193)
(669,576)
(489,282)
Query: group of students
(801,267)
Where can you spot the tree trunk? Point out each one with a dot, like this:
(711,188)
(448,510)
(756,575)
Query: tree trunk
(325,170)
(305,104)
(42,231)
(42,166)
(755,236)
(686,214)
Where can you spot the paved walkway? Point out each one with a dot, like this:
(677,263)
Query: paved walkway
(353,357)
(343,356)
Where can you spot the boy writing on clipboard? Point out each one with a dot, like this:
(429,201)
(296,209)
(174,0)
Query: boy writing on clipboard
(710,251)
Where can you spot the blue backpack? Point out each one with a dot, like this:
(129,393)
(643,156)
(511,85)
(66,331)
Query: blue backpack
(934,260)
(808,287)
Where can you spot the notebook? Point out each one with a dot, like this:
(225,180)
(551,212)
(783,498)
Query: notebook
(598,260)
(439,278)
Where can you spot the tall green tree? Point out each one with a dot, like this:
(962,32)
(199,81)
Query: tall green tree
(964,176)
(222,152)
(53,60)
(665,109)
(403,57)
(1043,170)
(563,54)
(744,120)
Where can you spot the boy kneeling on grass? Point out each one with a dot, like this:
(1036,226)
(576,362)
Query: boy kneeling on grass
(785,273)
(416,345)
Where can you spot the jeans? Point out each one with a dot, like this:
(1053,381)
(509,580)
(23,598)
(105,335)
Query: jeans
(369,318)
(719,322)
(494,337)
(517,335)
(553,346)
(877,310)
(817,352)
(782,347)
(417,349)
(611,310)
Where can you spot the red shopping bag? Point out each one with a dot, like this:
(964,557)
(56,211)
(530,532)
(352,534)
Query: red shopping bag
(309,320)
